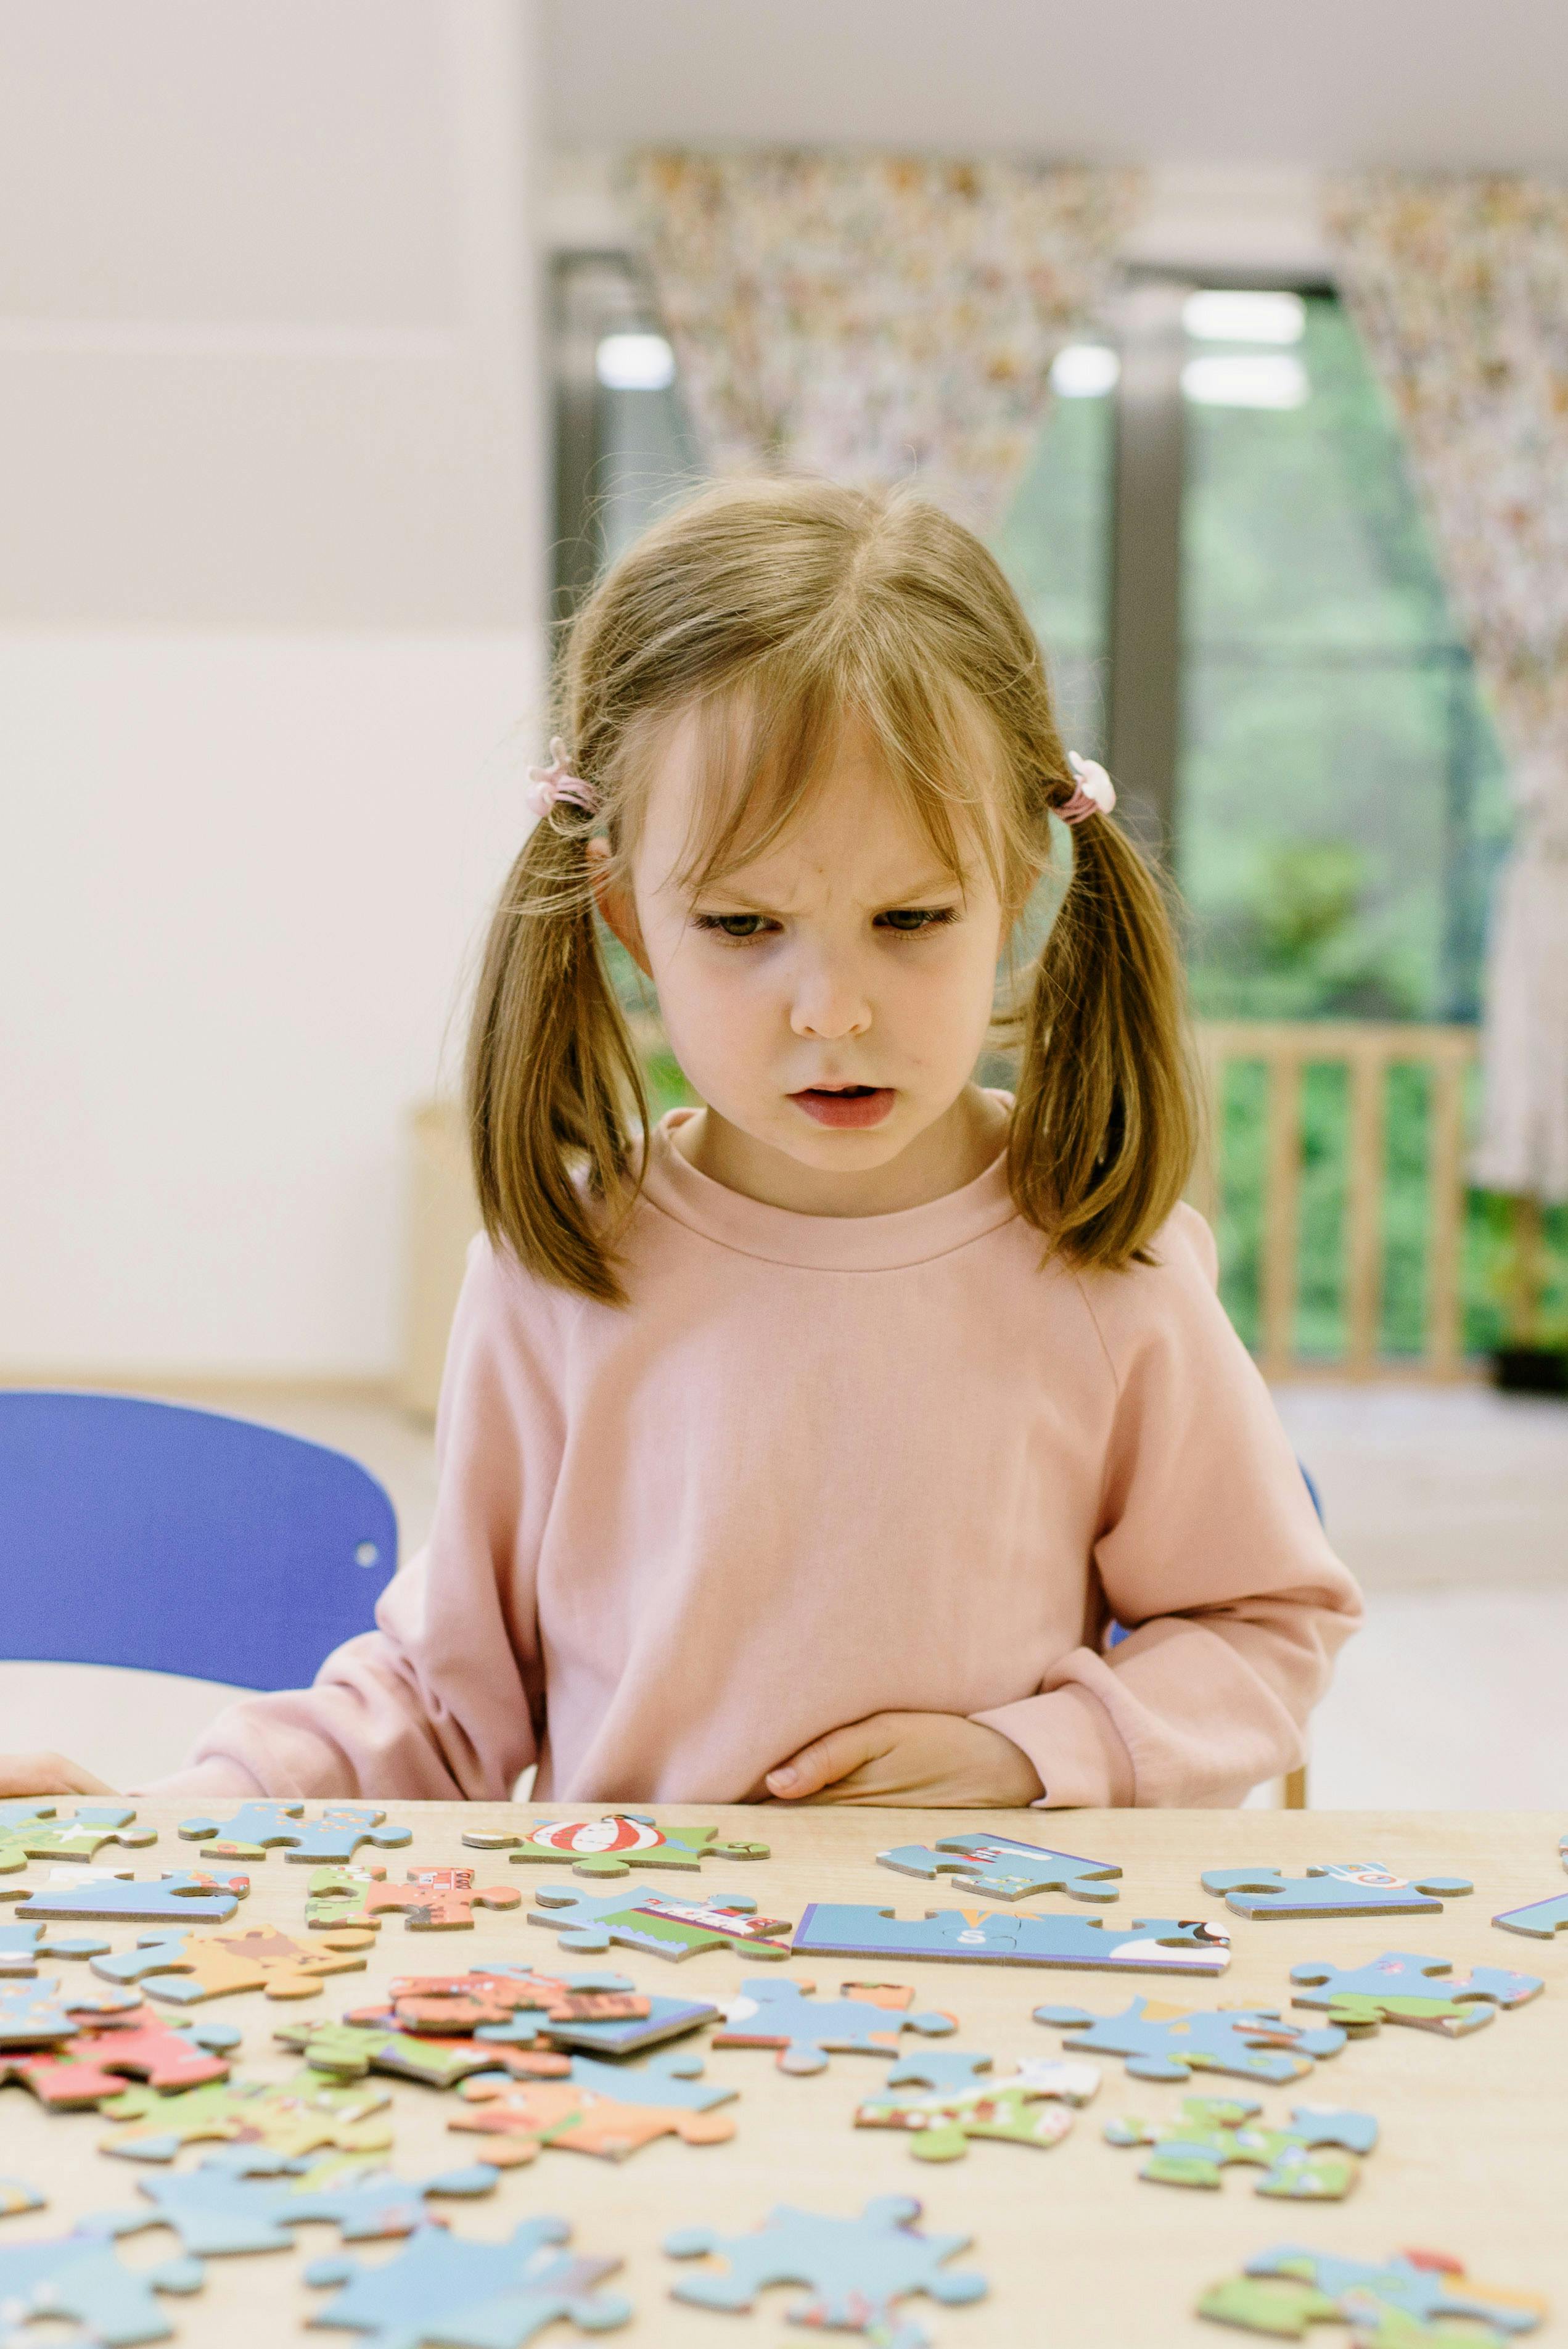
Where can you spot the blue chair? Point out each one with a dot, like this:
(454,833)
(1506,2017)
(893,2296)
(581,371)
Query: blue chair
(182,1541)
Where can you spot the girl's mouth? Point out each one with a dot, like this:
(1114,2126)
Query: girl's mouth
(846,1105)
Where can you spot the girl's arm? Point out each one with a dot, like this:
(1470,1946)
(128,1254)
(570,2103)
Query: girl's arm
(439,1702)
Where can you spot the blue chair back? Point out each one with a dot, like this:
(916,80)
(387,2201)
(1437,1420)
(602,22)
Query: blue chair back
(182,1541)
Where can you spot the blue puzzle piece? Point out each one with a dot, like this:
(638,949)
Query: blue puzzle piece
(855,2269)
(256,1827)
(661,1923)
(234,2202)
(39,2016)
(1000,1868)
(1350,1887)
(78,2276)
(1401,1986)
(1541,1918)
(470,2295)
(1402,2299)
(1171,2042)
(1151,1945)
(21,1947)
(939,2068)
(769,2013)
(674,2083)
(667,2018)
(185,1895)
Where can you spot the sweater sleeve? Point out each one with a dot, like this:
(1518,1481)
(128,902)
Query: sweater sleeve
(1210,1552)
(444,1701)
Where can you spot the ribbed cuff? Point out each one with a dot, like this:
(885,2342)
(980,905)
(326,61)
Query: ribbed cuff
(1078,1756)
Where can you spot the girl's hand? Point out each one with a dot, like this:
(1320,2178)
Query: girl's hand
(924,1759)
(46,1774)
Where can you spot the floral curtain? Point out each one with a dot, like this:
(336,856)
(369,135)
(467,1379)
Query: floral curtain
(874,317)
(1459,288)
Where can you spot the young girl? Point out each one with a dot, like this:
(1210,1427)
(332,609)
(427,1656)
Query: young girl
(809,1451)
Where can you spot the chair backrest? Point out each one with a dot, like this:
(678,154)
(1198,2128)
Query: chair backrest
(182,1541)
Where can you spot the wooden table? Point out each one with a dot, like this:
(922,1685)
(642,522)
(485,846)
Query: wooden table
(1077,2248)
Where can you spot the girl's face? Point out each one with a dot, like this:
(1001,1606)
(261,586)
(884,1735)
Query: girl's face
(828,1000)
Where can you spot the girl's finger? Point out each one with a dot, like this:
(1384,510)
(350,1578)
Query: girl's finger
(46,1774)
(823,1761)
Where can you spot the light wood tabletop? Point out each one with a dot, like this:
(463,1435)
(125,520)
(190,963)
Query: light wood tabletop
(1076,2247)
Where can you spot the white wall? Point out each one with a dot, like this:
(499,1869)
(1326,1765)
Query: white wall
(272,586)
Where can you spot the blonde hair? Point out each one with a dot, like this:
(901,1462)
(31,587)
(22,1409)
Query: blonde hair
(771,610)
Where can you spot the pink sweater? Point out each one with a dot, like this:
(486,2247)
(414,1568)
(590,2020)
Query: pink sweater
(822,1467)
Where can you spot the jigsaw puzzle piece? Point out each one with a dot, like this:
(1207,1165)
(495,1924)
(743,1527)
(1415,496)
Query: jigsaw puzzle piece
(1399,2305)
(429,1901)
(245,2199)
(1313,2160)
(16,2197)
(865,2019)
(598,2110)
(1351,1888)
(615,1845)
(40,2015)
(653,1921)
(939,2067)
(491,2295)
(1540,1919)
(295,2118)
(1000,1868)
(667,2019)
(22,1946)
(1171,2043)
(854,2269)
(78,2277)
(259,1827)
(351,2049)
(182,1895)
(512,2005)
(1152,1944)
(183,1968)
(41,1834)
(1023,2107)
(1403,1987)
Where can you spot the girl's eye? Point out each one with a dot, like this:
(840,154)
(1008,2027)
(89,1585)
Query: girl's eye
(908,921)
(731,925)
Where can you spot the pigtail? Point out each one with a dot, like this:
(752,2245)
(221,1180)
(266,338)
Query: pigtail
(1103,1124)
(551,1071)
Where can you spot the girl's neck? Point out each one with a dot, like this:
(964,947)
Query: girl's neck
(952,1152)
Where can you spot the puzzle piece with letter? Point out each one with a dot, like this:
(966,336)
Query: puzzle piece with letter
(1349,1888)
(22,1946)
(245,2198)
(999,1868)
(84,2070)
(258,1827)
(489,2295)
(78,2277)
(865,2019)
(1401,2304)
(1540,1919)
(1403,1987)
(610,2113)
(854,2269)
(40,2014)
(1313,2160)
(657,1923)
(185,1895)
(304,2114)
(1171,2042)
(999,1936)
(615,1845)
(1028,2107)
(430,1899)
(184,1968)
(32,1831)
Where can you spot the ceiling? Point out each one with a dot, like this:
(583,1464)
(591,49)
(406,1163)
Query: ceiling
(1455,85)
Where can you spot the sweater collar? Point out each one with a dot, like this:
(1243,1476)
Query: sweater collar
(823,1243)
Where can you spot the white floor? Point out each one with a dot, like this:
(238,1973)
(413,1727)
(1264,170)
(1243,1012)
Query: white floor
(1452,1505)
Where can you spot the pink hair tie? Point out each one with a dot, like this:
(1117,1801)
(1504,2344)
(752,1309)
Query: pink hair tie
(546,785)
(1095,795)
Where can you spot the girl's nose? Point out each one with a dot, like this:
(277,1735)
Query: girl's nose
(829,1004)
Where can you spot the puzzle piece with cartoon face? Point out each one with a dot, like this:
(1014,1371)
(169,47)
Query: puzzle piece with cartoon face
(615,1845)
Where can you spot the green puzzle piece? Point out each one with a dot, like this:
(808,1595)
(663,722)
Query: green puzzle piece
(615,1845)
(1407,2302)
(42,1836)
(1313,2160)
(1025,2107)
(350,2050)
(292,2118)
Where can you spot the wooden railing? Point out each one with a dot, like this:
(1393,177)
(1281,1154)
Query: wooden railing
(1367,1050)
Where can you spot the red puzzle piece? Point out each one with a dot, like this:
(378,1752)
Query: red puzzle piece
(97,2063)
(433,1899)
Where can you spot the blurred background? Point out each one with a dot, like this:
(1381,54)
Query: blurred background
(342,343)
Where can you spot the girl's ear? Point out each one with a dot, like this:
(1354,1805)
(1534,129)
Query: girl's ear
(617,905)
